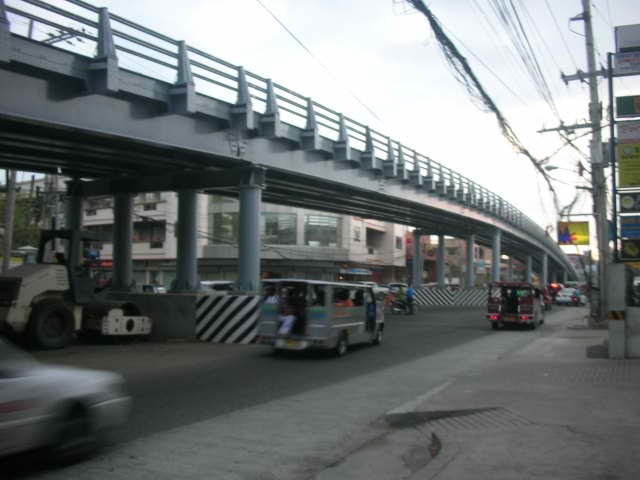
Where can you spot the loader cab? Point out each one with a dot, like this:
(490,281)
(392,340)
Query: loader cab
(67,247)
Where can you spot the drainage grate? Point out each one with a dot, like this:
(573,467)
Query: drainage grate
(466,419)
(490,418)
(615,372)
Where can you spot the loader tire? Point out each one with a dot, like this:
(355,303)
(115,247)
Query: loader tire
(50,325)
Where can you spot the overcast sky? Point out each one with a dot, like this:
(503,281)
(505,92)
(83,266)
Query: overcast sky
(388,55)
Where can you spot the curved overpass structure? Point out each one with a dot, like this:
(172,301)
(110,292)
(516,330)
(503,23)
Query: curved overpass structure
(77,97)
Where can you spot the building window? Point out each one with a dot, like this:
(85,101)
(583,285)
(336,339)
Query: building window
(452,251)
(357,234)
(225,227)
(321,231)
(150,206)
(153,232)
(278,228)
(398,243)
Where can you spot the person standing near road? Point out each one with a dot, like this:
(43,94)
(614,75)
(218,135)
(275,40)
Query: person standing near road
(410,293)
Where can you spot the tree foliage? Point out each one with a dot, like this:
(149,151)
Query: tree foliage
(26,230)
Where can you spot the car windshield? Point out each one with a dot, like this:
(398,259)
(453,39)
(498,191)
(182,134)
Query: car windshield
(568,291)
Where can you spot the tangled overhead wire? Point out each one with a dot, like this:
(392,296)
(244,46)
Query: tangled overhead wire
(465,75)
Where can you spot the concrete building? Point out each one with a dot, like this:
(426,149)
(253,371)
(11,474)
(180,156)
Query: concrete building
(296,242)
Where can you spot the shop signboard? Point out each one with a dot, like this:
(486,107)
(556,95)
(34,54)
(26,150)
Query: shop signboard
(573,233)
(630,250)
(630,227)
(628,155)
(628,106)
(629,202)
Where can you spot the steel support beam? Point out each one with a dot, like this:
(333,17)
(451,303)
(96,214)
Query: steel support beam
(471,268)
(249,251)
(495,256)
(122,242)
(187,255)
(193,179)
(417,261)
(440,262)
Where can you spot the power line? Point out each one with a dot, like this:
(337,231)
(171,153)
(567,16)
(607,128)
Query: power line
(564,41)
(317,60)
(465,75)
(495,75)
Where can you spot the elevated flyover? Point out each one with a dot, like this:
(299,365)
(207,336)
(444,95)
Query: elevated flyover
(99,98)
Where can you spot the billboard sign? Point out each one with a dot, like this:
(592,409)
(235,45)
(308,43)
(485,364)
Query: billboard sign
(630,250)
(629,132)
(573,233)
(627,63)
(629,164)
(629,203)
(628,106)
(630,227)
(627,38)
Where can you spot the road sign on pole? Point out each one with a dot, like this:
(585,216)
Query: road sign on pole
(628,106)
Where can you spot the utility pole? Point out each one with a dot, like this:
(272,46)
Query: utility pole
(9,213)
(598,179)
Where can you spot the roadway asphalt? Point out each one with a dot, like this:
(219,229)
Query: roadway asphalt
(177,384)
(184,385)
(248,375)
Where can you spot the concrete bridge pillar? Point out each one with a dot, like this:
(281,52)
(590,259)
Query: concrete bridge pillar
(564,277)
(529,274)
(122,241)
(471,268)
(544,275)
(440,262)
(73,220)
(495,256)
(554,276)
(187,256)
(417,262)
(249,251)
(510,269)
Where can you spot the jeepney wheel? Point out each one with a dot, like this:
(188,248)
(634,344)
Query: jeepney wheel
(342,346)
(50,325)
(377,340)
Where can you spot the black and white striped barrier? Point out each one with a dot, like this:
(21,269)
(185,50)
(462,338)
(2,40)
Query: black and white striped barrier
(434,297)
(447,297)
(227,318)
(470,297)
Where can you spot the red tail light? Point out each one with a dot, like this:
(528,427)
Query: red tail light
(493,317)
(524,318)
(573,299)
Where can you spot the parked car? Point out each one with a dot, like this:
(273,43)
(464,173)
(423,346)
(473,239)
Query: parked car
(378,290)
(61,409)
(151,288)
(219,286)
(570,296)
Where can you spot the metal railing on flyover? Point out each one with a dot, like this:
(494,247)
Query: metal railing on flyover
(73,25)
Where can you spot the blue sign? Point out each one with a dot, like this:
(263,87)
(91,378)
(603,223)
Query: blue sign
(630,227)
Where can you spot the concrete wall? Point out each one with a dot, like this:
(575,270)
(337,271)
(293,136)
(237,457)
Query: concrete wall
(173,314)
(633,332)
